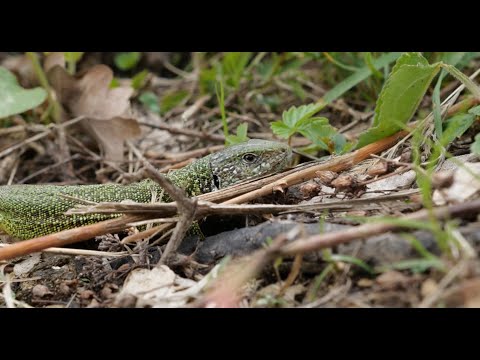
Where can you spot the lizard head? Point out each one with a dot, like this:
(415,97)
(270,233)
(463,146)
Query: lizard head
(248,160)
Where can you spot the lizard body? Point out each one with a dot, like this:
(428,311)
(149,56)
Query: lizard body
(28,211)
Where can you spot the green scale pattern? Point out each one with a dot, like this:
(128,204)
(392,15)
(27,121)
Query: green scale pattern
(28,211)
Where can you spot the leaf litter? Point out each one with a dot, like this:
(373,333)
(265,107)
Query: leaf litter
(111,109)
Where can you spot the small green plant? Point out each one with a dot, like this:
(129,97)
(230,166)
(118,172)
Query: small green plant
(426,262)
(229,70)
(241,135)
(72,58)
(402,93)
(127,60)
(221,103)
(172,99)
(14,99)
(317,129)
(139,80)
(233,66)
(150,101)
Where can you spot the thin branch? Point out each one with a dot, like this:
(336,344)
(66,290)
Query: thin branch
(186,208)
(187,132)
(322,241)
(39,136)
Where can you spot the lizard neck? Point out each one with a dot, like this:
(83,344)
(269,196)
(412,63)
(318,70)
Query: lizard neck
(195,178)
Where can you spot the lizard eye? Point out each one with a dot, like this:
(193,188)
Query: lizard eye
(249,158)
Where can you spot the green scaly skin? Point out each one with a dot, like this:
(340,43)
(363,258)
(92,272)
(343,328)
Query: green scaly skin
(28,211)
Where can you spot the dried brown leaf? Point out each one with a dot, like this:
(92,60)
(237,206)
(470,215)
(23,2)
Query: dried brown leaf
(107,111)
(22,67)
(53,59)
(40,291)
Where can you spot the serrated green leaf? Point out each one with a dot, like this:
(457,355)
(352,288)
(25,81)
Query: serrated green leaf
(240,137)
(400,96)
(281,129)
(325,136)
(309,121)
(295,114)
(455,127)
(127,60)
(14,99)
(150,101)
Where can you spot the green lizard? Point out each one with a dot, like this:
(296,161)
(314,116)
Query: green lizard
(28,211)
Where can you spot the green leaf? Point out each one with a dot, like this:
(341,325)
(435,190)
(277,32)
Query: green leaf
(139,79)
(453,58)
(418,246)
(207,81)
(352,260)
(400,96)
(317,129)
(475,147)
(281,129)
(73,56)
(358,77)
(475,110)
(469,84)
(219,90)
(319,133)
(114,83)
(369,61)
(296,115)
(455,127)
(307,122)
(437,113)
(150,101)
(242,130)
(127,60)
(172,99)
(14,99)
(415,265)
(234,64)
(240,137)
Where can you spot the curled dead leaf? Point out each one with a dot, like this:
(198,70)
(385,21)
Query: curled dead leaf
(40,291)
(310,189)
(343,182)
(22,67)
(107,111)
(53,59)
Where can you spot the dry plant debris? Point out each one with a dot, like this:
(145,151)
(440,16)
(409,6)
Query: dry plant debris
(393,223)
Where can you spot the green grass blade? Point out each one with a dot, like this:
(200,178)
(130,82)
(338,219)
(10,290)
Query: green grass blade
(359,76)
